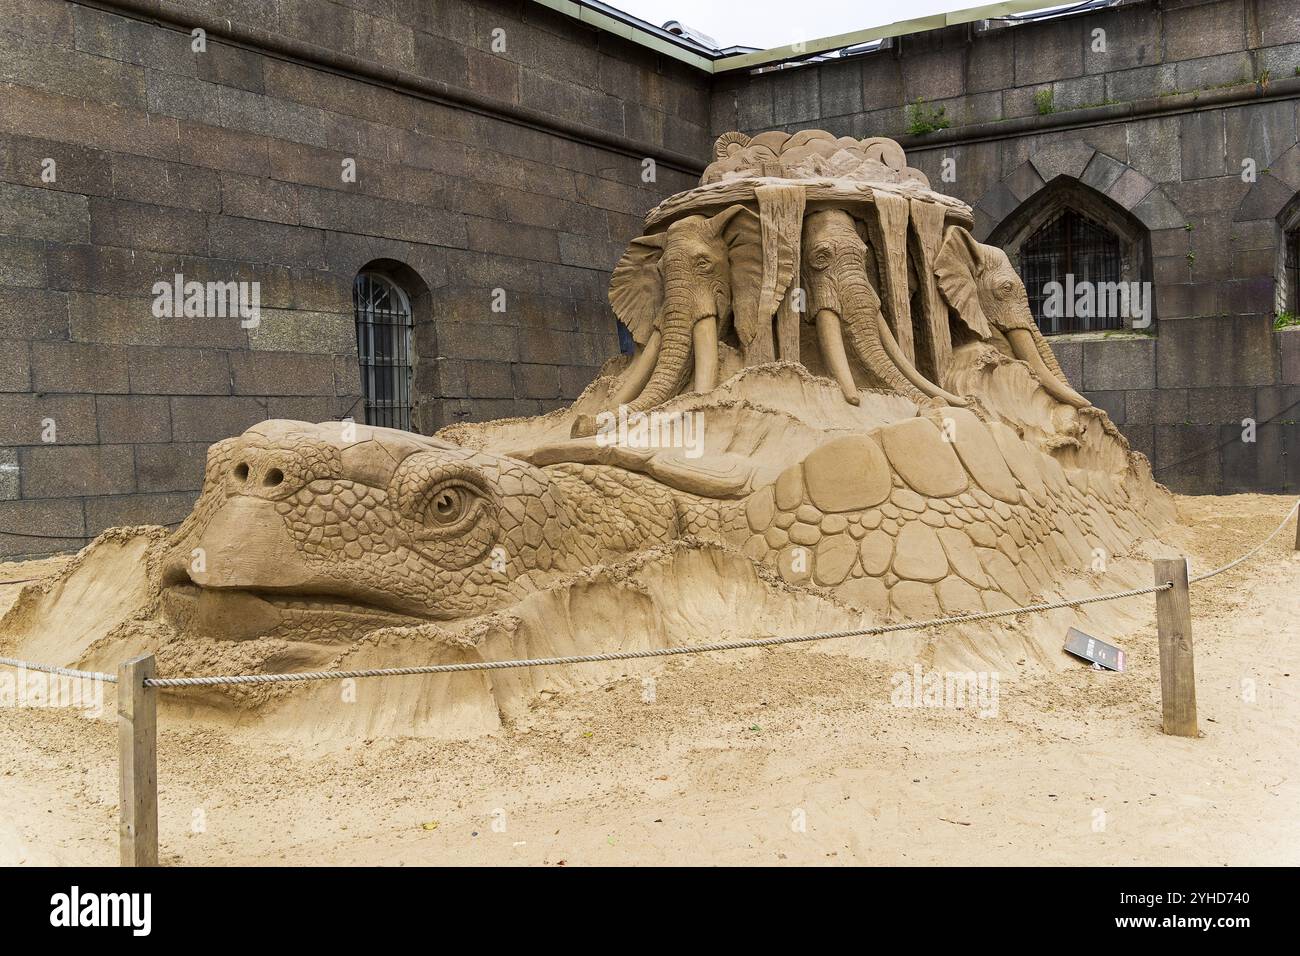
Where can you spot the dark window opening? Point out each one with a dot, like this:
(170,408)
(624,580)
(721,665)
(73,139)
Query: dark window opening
(384,327)
(626,344)
(1291,273)
(1068,249)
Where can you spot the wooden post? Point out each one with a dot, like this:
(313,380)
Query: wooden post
(1177,675)
(137,758)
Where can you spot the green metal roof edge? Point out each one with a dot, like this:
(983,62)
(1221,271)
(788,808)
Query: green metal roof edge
(745,61)
(627,31)
(936,21)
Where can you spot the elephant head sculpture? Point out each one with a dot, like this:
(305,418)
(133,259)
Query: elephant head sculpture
(672,290)
(840,298)
(982,286)
(788,229)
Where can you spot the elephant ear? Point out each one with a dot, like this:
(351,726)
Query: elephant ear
(958,268)
(741,229)
(636,289)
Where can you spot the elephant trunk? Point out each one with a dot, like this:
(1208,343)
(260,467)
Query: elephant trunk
(674,349)
(867,329)
(639,371)
(875,344)
(1049,358)
(668,348)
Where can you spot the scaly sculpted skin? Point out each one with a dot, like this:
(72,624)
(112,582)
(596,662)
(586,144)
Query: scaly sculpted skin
(297,524)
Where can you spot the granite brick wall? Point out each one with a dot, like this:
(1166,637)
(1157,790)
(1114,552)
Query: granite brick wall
(226,165)
(1159,123)
(520,169)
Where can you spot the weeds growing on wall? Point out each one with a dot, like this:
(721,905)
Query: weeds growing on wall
(922,118)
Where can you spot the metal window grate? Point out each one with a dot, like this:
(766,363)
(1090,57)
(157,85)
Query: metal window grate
(1291,272)
(384,350)
(1070,244)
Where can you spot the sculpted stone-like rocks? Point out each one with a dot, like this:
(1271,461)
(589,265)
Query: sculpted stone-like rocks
(1020,459)
(979,452)
(920,556)
(923,459)
(848,474)
(877,550)
(834,558)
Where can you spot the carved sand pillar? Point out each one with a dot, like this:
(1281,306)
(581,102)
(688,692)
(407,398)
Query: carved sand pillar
(780,208)
(927,227)
(889,235)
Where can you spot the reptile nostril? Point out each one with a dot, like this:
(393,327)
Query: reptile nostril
(241,471)
(273,478)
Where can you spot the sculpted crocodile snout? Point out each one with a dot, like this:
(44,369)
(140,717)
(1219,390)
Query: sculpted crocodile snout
(271,473)
(357,528)
(245,546)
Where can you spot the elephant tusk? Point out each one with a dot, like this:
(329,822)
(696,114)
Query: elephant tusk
(1025,349)
(638,373)
(919,381)
(831,339)
(705,342)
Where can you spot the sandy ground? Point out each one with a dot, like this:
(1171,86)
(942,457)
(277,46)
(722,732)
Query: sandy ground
(778,756)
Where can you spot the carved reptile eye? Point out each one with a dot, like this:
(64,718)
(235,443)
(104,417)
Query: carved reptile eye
(451,508)
(439,497)
(448,506)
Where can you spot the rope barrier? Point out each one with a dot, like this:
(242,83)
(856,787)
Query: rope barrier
(1252,552)
(638,655)
(65,671)
(651,652)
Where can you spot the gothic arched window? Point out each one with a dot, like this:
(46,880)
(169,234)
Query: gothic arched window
(1287,287)
(1084,259)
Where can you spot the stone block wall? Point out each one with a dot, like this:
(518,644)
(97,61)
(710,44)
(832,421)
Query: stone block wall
(226,165)
(1159,122)
(500,145)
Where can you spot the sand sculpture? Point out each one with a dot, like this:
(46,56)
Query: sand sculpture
(840,411)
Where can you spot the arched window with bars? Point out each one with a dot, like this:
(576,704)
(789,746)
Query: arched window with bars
(1287,280)
(1085,261)
(1066,249)
(384,349)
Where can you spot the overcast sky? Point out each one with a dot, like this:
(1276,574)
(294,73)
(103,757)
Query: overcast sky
(770,23)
